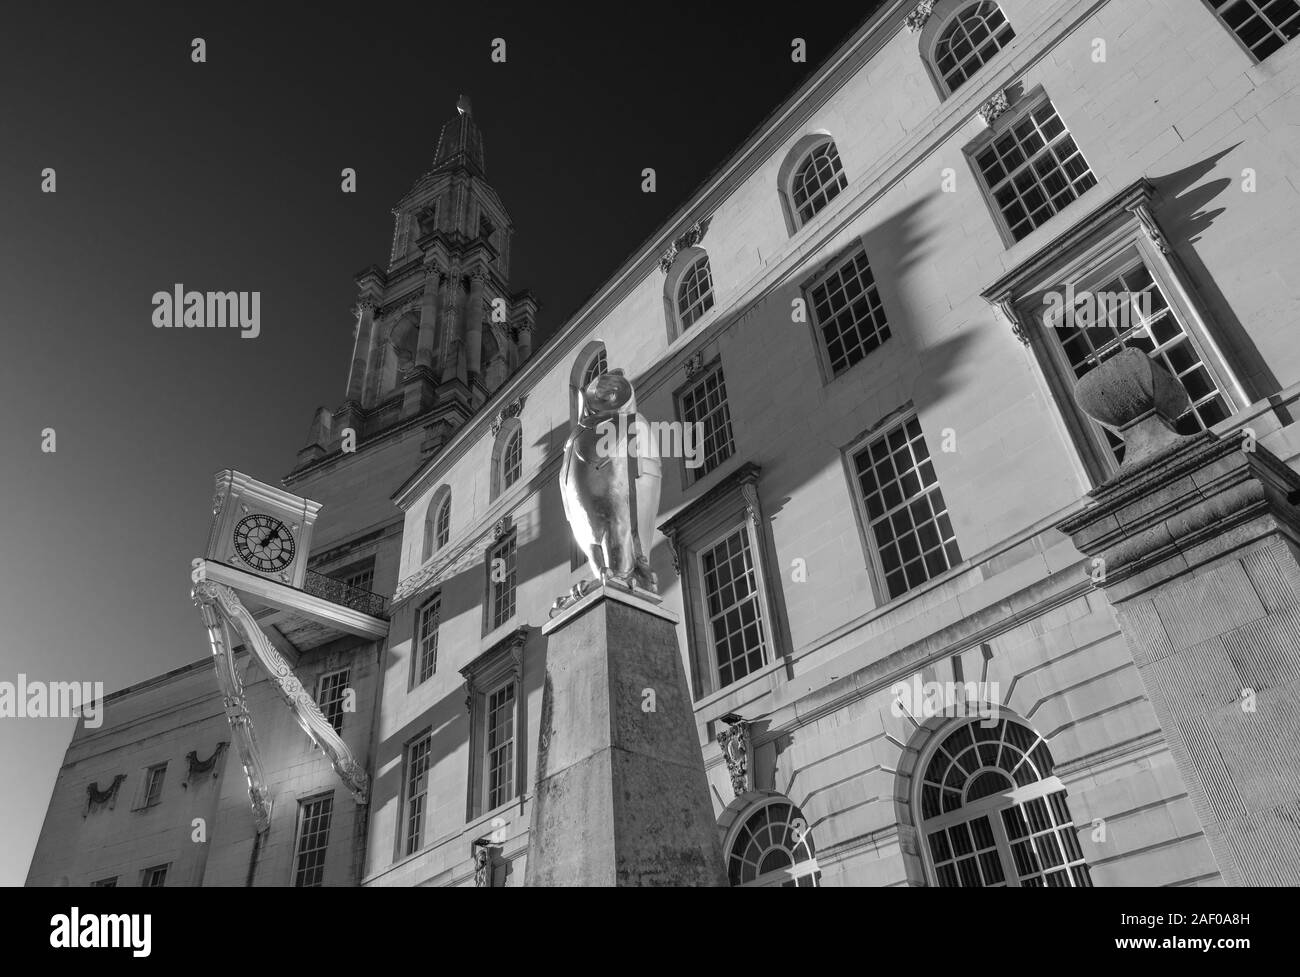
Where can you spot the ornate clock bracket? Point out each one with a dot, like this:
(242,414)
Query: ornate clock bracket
(221,609)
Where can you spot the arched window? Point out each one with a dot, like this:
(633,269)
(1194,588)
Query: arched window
(994,814)
(969,41)
(507,456)
(597,365)
(590,363)
(442,530)
(512,460)
(770,844)
(818,179)
(437,523)
(694,293)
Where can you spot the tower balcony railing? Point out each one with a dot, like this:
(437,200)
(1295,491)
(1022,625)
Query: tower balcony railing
(338,592)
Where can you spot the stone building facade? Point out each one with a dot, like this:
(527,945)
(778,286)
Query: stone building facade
(876,311)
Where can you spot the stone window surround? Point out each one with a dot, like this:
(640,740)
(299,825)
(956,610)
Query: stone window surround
(732,503)
(499,665)
(1125,222)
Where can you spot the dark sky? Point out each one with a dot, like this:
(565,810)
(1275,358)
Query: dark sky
(225,175)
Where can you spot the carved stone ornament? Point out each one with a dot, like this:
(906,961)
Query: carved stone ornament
(692,236)
(1134,395)
(734,741)
(510,410)
(1007,313)
(96,798)
(694,363)
(994,107)
(485,856)
(919,15)
(673,549)
(197,768)
(503,526)
(1152,230)
(367,303)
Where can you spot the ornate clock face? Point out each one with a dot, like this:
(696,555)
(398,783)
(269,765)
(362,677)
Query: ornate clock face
(264,543)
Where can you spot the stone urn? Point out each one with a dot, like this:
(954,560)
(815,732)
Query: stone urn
(1138,399)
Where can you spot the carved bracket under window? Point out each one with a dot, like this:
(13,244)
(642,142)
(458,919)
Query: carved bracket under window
(510,410)
(694,364)
(503,526)
(994,107)
(197,768)
(692,236)
(1142,211)
(734,741)
(486,857)
(919,15)
(1007,313)
(96,798)
(672,548)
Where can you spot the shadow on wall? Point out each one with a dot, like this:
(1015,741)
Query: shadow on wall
(1183,211)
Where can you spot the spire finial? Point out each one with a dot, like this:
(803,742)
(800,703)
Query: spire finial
(463,106)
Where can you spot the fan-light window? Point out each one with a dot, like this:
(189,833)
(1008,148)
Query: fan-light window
(994,814)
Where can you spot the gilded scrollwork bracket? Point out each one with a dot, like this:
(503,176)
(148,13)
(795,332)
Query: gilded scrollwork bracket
(221,610)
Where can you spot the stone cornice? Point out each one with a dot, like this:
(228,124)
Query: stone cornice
(699,507)
(1029,273)
(985,624)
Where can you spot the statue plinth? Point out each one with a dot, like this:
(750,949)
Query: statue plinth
(621,797)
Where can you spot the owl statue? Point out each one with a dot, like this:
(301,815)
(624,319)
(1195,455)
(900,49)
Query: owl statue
(609,482)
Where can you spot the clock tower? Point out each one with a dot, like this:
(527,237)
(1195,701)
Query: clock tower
(438,329)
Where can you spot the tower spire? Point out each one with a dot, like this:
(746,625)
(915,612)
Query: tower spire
(460,144)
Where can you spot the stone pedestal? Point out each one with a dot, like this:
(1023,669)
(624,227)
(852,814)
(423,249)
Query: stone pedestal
(621,797)
(1198,543)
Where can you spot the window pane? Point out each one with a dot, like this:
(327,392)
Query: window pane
(1034,170)
(907,516)
(819,180)
(705,404)
(732,601)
